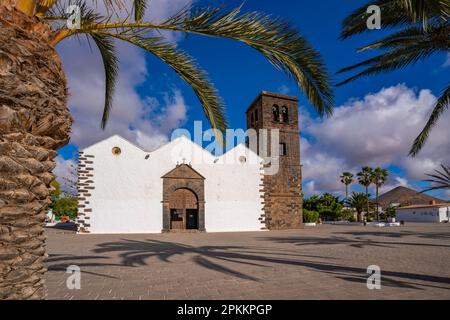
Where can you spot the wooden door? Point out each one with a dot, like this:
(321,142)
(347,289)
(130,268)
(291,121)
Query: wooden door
(181,201)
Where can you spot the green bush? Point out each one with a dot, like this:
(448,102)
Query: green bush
(65,207)
(388,213)
(329,214)
(348,215)
(310,216)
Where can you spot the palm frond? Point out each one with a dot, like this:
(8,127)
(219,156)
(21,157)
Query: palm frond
(187,68)
(139,9)
(365,176)
(380,176)
(441,106)
(427,32)
(391,61)
(275,39)
(105,44)
(404,47)
(436,35)
(112,5)
(440,178)
(58,12)
(44,6)
(433,189)
(423,10)
(397,13)
(356,22)
(284,47)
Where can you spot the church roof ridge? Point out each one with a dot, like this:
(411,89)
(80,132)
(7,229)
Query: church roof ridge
(181,137)
(241,145)
(111,137)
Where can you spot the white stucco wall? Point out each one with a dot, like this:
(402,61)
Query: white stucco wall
(444,214)
(127,190)
(429,214)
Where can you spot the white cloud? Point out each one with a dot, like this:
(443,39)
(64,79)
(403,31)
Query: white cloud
(174,113)
(393,182)
(447,194)
(377,131)
(310,189)
(321,168)
(284,89)
(65,172)
(142,120)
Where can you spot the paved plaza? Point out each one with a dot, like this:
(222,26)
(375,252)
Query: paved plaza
(326,262)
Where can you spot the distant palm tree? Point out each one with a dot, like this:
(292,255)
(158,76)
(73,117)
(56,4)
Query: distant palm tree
(379,177)
(440,179)
(35,120)
(347,178)
(358,201)
(365,179)
(424,30)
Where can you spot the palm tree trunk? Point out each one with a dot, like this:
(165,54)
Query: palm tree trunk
(367,202)
(346,192)
(34,122)
(378,213)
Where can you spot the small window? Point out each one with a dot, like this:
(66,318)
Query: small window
(252,120)
(276,113)
(176,215)
(284,115)
(283,149)
(116,151)
(256,116)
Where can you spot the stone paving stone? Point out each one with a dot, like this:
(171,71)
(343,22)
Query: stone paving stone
(327,262)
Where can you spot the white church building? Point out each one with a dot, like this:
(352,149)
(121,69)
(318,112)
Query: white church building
(182,187)
(124,189)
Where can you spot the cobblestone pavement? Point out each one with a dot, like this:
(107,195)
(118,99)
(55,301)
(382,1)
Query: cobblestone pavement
(326,262)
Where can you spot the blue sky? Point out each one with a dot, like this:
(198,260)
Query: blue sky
(240,73)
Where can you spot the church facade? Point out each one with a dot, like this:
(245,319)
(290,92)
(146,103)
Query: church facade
(182,187)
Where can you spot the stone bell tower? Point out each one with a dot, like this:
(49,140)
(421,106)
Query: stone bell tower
(283,197)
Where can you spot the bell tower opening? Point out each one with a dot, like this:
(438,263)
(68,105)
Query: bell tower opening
(283,198)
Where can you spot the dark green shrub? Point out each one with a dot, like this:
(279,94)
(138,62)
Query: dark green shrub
(310,216)
(388,213)
(328,214)
(347,215)
(65,207)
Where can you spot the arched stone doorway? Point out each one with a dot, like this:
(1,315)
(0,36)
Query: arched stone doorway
(183,206)
(183,199)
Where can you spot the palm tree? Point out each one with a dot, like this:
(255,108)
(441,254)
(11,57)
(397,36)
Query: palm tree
(379,177)
(365,179)
(440,179)
(358,201)
(424,31)
(35,120)
(347,178)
